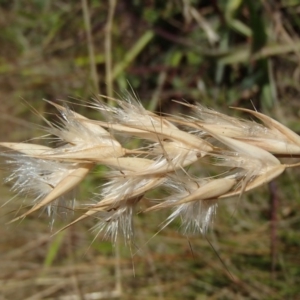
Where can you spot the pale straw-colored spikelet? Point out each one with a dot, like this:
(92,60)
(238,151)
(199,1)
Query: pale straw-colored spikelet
(47,181)
(159,153)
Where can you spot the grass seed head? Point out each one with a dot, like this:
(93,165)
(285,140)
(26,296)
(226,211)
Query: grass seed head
(164,150)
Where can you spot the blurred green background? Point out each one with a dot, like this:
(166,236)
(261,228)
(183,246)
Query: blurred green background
(218,53)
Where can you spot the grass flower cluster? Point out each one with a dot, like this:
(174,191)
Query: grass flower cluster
(159,152)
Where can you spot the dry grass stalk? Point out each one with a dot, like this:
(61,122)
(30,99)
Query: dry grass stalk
(245,152)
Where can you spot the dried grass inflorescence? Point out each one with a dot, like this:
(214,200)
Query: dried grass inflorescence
(160,154)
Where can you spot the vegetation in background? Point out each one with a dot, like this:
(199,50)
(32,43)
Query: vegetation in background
(217,53)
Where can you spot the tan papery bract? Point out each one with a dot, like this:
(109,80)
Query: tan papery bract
(261,179)
(27,148)
(92,154)
(272,145)
(208,191)
(286,133)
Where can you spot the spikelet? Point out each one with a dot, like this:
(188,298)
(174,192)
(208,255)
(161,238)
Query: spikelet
(168,149)
(82,140)
(46,181)
(195,202)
